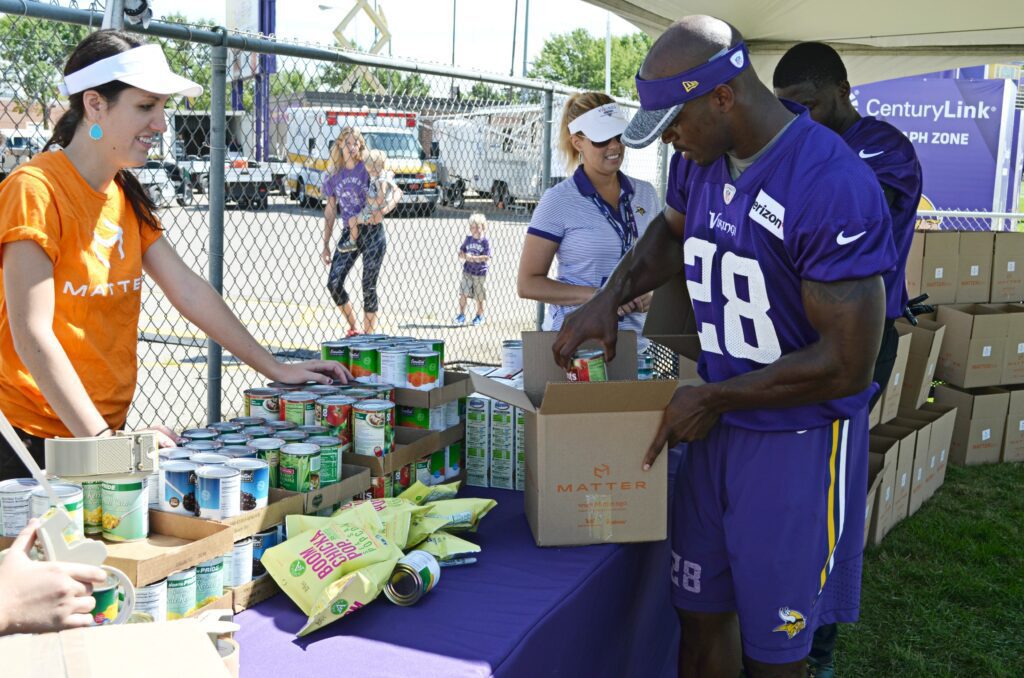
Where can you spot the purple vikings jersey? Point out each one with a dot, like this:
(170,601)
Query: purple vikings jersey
(891,156)
(808,209)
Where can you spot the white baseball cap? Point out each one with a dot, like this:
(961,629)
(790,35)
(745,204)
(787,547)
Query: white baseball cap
(144,67)
(601,123)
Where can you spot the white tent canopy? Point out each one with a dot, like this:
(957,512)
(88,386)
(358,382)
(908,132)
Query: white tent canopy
(878,39)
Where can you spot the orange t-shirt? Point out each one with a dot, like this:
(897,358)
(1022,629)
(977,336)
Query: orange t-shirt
(96,245)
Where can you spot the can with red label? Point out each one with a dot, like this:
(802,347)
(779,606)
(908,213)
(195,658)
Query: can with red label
(335,412)
(401,479)
(381,487)
(588,365)
(298,407)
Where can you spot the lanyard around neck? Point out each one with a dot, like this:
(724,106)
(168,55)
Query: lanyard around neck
(627,233)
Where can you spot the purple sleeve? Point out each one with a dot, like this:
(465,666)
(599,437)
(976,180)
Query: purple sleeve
(465,242)
(842,231)
(678,190)
(548,221)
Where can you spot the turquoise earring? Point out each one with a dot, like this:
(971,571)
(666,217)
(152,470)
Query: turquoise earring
(95,132)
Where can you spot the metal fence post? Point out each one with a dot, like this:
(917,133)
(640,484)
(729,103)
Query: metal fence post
(545,175)
(218,141)
(663,154)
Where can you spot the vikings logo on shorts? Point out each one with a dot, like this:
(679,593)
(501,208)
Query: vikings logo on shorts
(793,622)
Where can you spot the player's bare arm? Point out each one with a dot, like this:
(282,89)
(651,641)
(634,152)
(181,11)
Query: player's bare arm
(848,316)
(654,259)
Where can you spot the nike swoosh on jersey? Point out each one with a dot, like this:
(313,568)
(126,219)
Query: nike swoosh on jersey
(865,156)
(844,239)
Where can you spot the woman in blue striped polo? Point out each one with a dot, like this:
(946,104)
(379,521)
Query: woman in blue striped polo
(590,220)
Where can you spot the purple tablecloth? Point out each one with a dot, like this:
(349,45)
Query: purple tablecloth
(522,611)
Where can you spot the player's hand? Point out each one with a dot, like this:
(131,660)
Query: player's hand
(638,305)
(326,256)
(596,319)
(320,371)
(40,596)
(687,417)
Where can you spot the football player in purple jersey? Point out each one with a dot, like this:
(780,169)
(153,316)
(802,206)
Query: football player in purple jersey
(813,75)
(783,235)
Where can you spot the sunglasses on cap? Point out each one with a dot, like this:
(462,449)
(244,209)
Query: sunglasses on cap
(601,144)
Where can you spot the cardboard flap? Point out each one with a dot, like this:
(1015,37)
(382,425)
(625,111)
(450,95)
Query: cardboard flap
(503,392)
(671,311)
(539,368)
(620,396)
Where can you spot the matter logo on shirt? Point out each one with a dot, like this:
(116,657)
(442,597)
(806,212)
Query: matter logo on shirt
(768,212)
(106,235)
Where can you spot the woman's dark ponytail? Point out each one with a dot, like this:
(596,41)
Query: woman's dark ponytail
(93,48)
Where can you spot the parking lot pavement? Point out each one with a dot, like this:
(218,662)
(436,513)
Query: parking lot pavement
(275,282)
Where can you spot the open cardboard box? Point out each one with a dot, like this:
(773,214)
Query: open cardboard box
(973,350)
(411,445)
(942,419)
(925,344)
(585,443)
(158,650)
(883,462)
(1013,441)
(980,422)
(933,266)
(456,385)
(892,391)
(974,277)
(1008,268)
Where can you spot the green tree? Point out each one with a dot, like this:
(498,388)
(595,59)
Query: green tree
(32,56)
(576,59)
(191,60)
(395,83)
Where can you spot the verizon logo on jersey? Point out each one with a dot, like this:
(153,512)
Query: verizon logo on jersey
(768,212)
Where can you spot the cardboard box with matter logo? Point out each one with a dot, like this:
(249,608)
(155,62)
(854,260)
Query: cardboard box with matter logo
(1008,268)
(974,279)
(980,422)
(933,265)
(972,351)
(942,419)
(925,343)
(1013,440)
(883,461)
(585,444)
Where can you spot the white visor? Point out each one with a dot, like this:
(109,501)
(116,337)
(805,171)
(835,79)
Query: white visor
(144,67)
(601,123)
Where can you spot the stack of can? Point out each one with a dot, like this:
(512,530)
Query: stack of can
(406,362)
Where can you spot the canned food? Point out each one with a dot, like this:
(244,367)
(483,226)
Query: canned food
(178,488)
(181,594)
(262,402)
(261,541)
(335,414)
(71,498)
(293,436)
(228,439)
(422,471)
(313,429)
(298,407)
(381,487)
(218,489)
(414,576)
(454,466)
(364,360)
(288,388)
(255,479)
(361,393)
(246,451)
(153,483)
(432,419)
(392,365)
(321,390)
(373,429)
(209,581)
(335,350)
(152,601)
(225,427)
(401,480)
(249,421)
(330,458)
(238,564)
(208,459)
(385,392)
(92,506)
(423,370)
(175,453)
(277,425)
(588,365)
(300,467)
(258,432)
(511,356)
(16,504)
(269,450)
(199,434)
(204,445)
(125,507)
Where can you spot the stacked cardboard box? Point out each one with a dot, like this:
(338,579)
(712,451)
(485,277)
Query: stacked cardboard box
(966,267)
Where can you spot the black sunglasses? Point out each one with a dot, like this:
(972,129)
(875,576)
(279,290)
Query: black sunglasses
(601,144)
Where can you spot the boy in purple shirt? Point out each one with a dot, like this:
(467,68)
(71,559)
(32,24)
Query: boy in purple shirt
(813,75)
(475,252)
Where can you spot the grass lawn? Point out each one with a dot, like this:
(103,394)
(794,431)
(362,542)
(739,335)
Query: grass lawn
(944,593)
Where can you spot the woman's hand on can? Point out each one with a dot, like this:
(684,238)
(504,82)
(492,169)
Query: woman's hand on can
(320,371)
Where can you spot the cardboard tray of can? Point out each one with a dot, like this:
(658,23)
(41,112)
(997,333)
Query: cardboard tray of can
(457,385)
(355,478)
(174,543)
(281,503)
(254,592)
(411,445)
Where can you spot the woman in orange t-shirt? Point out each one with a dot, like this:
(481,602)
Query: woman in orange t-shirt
(77,231)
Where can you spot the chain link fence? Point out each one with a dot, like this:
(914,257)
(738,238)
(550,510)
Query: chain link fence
(456,144)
